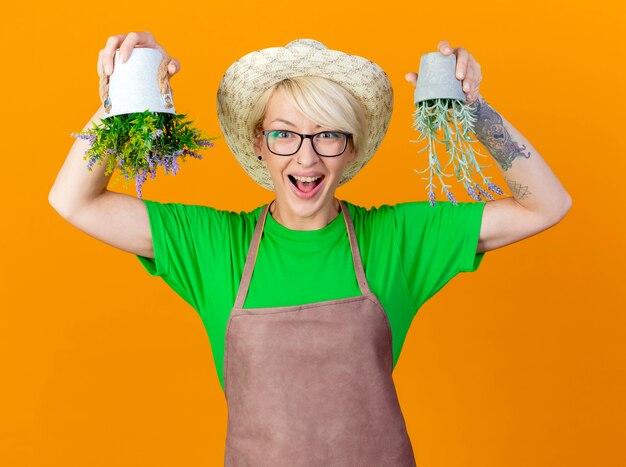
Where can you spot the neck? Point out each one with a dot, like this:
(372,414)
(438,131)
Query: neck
(316,221)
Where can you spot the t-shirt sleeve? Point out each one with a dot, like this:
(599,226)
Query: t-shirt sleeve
(436,243)
(182,238)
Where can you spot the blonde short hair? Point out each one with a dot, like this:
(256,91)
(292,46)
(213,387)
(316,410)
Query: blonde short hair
(325,102)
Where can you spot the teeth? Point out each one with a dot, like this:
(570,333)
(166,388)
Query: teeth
(306,179)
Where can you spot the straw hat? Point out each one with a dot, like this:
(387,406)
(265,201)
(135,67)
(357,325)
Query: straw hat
(247,78)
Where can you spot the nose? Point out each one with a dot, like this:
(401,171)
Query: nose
(306,155)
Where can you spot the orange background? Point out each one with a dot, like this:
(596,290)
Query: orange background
(518,364)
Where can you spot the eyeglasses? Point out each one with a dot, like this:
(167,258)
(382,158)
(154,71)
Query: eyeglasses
(325,143)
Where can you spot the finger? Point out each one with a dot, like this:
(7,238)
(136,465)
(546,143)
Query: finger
(173,67)
(471,81)
(473,69)
(472,95)
(462,58)
(444,47)
(113,42)
(137,39)
(469,96)
(411,78)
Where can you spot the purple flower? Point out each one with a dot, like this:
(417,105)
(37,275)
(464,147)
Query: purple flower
(495,188)
(169,162)
(451,197)
(175,167)
(472,193)
(152,170)
(152,165)
(156,134)
(205,143)
(484,193)
(88,137)
(431,197)
(139,181)
(91,162)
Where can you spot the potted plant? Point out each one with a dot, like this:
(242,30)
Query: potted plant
(141,130)
(441,109)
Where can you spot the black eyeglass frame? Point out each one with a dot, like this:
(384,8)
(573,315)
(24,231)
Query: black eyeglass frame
(302,137)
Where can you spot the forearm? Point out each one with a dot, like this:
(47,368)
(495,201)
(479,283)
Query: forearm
(75,185)
(530,179)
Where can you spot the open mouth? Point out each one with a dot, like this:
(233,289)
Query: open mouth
(306,184)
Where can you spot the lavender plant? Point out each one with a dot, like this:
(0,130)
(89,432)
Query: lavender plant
(138,143)
(453,119)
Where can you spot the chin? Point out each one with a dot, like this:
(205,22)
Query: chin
(306,209)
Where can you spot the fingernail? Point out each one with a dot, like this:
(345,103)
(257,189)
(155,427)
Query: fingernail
(107,70)
(460,75)
(447,49)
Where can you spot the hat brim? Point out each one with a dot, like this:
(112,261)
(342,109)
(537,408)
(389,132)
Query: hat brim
(250,76)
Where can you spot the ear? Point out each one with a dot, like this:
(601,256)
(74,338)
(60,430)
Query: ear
(257,144)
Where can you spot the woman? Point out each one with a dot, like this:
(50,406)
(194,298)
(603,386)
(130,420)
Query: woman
(304,347)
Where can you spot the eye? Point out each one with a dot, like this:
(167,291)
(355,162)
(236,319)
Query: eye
(280,134)
(329,135)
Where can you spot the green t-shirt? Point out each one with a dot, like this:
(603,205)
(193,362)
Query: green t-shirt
(409,252)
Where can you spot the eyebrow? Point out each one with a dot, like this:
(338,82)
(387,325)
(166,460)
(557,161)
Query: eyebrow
(288,122)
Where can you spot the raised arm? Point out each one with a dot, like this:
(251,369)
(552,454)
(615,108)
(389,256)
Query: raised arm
(81,196)
(539,200)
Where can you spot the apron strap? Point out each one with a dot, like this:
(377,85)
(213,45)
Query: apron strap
(254,248)
(356,254)
(251,258)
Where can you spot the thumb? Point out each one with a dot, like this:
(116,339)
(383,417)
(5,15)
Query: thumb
(173,67)
(411,78)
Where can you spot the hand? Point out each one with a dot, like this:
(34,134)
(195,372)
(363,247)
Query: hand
(467,69)
(126,43)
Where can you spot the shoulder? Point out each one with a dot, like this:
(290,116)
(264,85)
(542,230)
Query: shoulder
(201,215)
(386,213)
(417,218)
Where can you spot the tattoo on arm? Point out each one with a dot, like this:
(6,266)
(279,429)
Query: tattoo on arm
(519,191)
(490,131)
